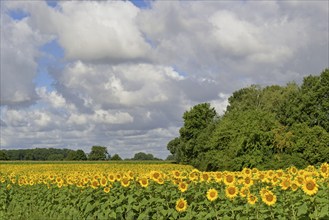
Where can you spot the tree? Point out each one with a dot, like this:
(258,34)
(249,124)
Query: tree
(98,153)
(76,155)
(116,157)
(268,128)
(54,157)
(170,157)
(3,155)
(144,156)
(71,155)
(197,119)
(174,147)
(80,155)
(309,104)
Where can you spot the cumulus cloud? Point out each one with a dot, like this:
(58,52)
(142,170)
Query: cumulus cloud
(103,31)
(19,51)
(129,73)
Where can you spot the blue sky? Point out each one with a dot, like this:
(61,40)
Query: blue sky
(123,75)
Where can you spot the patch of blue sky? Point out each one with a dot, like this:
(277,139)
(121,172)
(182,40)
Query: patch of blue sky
(52,58)
(179,71)
(52,3)
(53,48)
(141,3)
(18,14)
(151,42)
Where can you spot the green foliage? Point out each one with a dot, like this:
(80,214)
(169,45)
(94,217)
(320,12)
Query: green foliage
(144,156)
(3,155)
(40,154)
(116,157)
(310,104)
(76,155)
(187,147)
(271,127)
(170,157)
(98,153)
(52,157)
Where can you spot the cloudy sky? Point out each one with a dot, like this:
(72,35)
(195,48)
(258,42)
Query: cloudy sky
(121,73)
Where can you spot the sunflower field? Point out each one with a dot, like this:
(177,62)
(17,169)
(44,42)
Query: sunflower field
(160,191)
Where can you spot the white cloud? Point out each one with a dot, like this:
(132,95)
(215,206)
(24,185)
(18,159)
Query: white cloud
(19,51)
(131,73)
(127,85)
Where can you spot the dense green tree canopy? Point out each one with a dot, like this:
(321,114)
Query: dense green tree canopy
(3,155)
(116,157)
(76,155)
(40,154)
(144,156)
(98,153)
(272,127)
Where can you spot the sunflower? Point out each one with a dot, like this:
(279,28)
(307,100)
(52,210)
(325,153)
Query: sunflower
(125,182)
(252,199)
(269,198)
(263,191)
(106,189)
(94,184)
(247,181)
(212,194)
(181,205)
(182,186)
(193,176)
(279,173)
(130,174)
(103,181)
(293,170)
(70,181)
(310,186)
(261,177)
(270,174)
(285,184)
(176,174)
(2,179)
(160,181)
(294,185)
(246,171)
(324,170)
(229,179)
(59,184)
(118,176)
(231,191)
(51,177)
(111,177)
(58,180)
(310,168)
(244,191)
(254,170)
(85,180)
(143,182)
(205,177)
(275,180)
(155,175)
(300,180)
(218,177)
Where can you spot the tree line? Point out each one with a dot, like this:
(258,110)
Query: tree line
(55,154)
(267,128)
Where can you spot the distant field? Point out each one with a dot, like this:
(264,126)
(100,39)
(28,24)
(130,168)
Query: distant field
(158,190)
